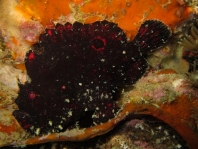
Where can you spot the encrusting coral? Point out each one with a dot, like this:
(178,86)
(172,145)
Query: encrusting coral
(143,133)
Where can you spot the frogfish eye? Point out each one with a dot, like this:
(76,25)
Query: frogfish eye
(98,44)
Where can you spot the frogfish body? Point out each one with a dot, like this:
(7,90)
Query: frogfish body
(77,72)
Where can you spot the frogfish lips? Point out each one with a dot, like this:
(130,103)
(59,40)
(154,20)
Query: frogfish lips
(78,71)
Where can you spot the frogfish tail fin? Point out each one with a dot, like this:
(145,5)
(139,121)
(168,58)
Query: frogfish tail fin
(151,35)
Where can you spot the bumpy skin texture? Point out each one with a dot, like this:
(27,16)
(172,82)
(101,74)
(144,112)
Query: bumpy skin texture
(78,71)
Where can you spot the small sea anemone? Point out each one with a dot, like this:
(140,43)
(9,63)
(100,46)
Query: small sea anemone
(175,61)
(190,42)
(193,76)
(191,3)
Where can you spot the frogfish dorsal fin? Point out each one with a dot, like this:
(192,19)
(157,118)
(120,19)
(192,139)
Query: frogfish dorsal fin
(151,35)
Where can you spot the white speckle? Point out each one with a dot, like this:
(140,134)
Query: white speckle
(63,118)
(106,96)
(166,132)
(123,52)
(60,127)
(86,109)
(101,96)
(87,91)
(67,100)
(90,98)
(69,113)
(97,108)
(50,123)
(80,84)
(139,126)
(160,127)
(102,60)
(178,146)
(119,33)
(37,131)
(94,116)
(77,124)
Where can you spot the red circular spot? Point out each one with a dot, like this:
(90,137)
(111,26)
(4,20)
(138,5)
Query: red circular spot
(49,32)
(32,95)
(31,56)
(98,44)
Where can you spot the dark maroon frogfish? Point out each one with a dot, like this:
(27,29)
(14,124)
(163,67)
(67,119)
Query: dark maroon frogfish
(77,72)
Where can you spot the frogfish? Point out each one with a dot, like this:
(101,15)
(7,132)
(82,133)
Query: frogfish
(77,73)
